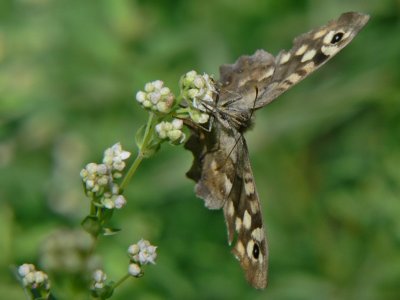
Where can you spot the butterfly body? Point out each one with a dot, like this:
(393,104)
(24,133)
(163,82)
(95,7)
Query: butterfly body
(221,167)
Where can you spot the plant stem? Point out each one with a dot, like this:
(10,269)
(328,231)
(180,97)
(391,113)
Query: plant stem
(140,156)
(121,281)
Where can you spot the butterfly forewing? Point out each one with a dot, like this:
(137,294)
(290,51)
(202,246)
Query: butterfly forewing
(309,52)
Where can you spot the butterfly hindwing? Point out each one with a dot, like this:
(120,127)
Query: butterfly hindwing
(225,180)
(243,215)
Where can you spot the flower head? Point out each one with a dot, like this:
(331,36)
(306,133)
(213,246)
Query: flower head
(171,131)
(156,97)
(114,158)
(134,270)
(198,90)
(33,278)
(99,279)
(143,252)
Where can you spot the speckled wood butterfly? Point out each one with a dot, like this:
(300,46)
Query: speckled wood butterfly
(221,166)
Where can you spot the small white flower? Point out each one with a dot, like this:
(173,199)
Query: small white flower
(99,276)
(91,168)
(102,169)
(134,269)
(147,104)
(177,123)
(99,279)
(84,173)
(149,87)
(40,277)
(156,97)
(108,203)
(199,117)
(171,130)
(133,250)
(164,91)
(140,96)
(114,157)
(102,181)
(162,107)
(175,135)
(158,84)
(119,166)
(30,278)
(143,252)
(119,202)
(98,285)
(198,82)
(203,118)
(193,93)
(24,269)
(147,253)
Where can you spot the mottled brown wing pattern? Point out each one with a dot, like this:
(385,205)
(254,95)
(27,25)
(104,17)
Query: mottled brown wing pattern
(309,52)
(224,179)
(213,167)
(243,215)
(273,76)
(221,166)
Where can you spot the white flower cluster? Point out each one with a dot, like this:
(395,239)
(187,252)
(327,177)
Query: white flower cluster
(32,278)
(99,279)
(156,97)
(171,130)
(199,90)
(114,159)
(99,178)
(141,254)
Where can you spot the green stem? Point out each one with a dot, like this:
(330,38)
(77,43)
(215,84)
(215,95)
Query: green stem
(121,281)
(140,156)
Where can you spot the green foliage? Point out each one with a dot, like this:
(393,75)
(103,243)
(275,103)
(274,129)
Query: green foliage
(325,155)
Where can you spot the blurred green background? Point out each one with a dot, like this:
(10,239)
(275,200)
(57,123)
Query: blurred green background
(326,155)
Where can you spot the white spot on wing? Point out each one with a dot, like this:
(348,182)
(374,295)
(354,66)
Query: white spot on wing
(328,38)
(284,58)
(231,209)
(249,187)
(249,249)
(214,166)
(228,185)
(246,220)
(294,77)
(329,50)
(269,72)
(308,55)
(240,248)
(254,206)
(319,34)
(301,50)
(238,224)
(309,67)
(257,234)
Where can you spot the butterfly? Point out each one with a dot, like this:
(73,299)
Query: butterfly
(221,166)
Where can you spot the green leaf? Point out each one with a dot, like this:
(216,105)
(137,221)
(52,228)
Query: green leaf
(152,148)
(92,225)
(139,137)
(110,231)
